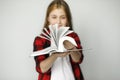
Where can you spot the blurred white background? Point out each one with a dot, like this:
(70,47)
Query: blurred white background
(96,21)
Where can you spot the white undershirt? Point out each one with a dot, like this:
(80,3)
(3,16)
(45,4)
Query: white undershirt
(62,70)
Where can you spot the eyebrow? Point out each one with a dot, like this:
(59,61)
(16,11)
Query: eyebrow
(53,15)
(61,15)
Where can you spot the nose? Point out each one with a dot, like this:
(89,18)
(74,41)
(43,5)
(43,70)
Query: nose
(59,21)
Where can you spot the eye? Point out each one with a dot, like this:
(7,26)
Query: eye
(63,17)
(54,17)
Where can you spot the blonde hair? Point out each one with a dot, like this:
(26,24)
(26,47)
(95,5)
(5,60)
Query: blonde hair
(56,4)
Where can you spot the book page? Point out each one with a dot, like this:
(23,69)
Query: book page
(52,33)
(61,46)
(44,51)
(62,31)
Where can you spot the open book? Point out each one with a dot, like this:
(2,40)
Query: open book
(57,36)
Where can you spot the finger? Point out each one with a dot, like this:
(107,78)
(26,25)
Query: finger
(64,54)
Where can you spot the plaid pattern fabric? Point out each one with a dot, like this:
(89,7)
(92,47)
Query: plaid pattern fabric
(40,43)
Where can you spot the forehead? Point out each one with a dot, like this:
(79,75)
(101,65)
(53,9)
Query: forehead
(57,11)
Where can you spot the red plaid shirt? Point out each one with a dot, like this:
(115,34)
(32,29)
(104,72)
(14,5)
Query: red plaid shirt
(40,43)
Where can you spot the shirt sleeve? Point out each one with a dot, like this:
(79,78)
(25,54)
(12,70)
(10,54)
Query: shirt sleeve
(79,46)
(39,44)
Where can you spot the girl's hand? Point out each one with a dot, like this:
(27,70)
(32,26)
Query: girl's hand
(68,45)
(61,54)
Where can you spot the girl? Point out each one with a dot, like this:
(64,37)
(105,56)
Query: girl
(64,65)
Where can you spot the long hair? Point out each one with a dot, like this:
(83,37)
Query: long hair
(56,4)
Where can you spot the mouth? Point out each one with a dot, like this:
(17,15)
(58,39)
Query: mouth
(59,25)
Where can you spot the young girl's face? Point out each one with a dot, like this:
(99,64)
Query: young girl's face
(57,16)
